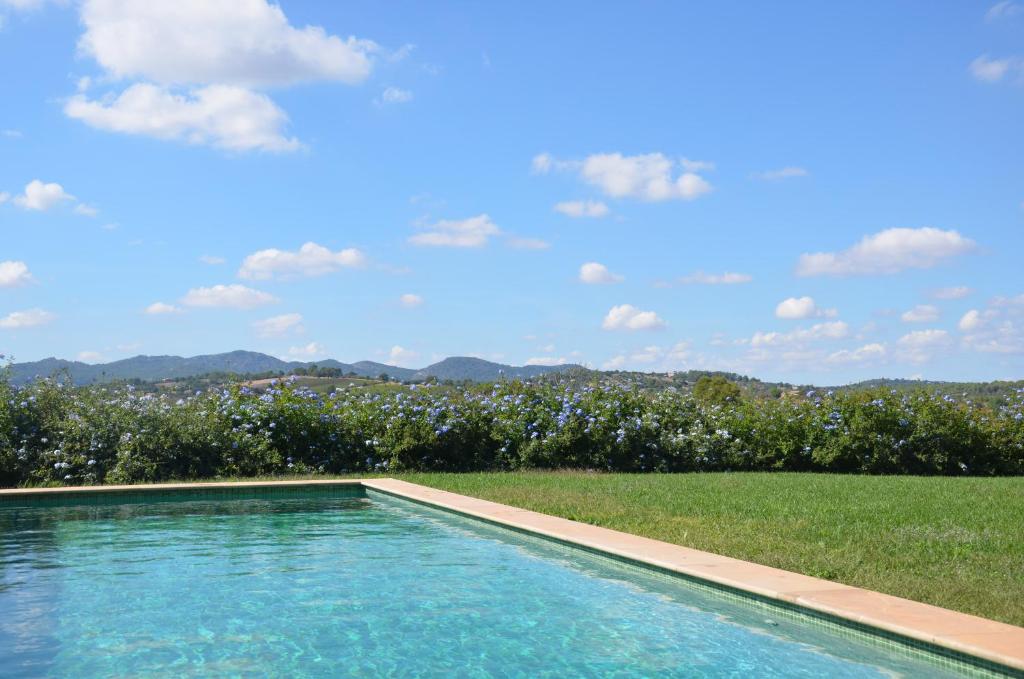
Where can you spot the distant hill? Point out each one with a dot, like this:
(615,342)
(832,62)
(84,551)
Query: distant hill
(374,369)
(479,370)
(156,368)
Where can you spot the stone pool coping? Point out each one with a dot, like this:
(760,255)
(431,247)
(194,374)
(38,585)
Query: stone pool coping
(970,635)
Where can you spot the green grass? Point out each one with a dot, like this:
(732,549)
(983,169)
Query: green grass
(953,542)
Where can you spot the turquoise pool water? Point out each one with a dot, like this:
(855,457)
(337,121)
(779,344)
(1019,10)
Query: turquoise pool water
(350,584)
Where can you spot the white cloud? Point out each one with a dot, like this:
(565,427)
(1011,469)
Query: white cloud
(227,296)
(782,173)
(628,317)
(957,292)
(997,329)
(277,326)
(654,357)
(582,208)
(1001,336)
(922,345)
(196,64)
(4,197)
(212,260)
(971,320)
(42,196)
(647,177)
(1003,10)
(727,278)
(401,356)
(1009,301)
(86,210)
(90,356)
(14,274)
(868,352)
(887,252)
(922,313)
(801,307)
(401,53)
(395,95)
(410,300)
(310,260)
(829,330)
(26,319)
(307,351)
(11,134)
(159,308)
(466,233)
(546,360)
(543,163)
(223,116)
(993,70)
(527,243)
(615,363)
(595,273)
(248,43)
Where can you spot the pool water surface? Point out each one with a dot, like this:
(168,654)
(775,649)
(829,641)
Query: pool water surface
(356,583)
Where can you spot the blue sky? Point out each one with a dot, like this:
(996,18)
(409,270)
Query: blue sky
(814,192)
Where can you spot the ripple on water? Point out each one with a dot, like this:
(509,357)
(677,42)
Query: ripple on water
(321,586)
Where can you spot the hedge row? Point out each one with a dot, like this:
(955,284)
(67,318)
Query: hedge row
(51,433)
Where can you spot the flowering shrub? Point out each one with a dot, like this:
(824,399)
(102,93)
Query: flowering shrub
(52,433)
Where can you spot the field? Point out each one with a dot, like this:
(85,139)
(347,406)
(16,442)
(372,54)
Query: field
(953,542)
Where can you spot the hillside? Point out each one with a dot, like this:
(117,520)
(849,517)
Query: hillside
(478,370)
(156,368)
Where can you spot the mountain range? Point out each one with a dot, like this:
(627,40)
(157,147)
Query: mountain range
(156,368)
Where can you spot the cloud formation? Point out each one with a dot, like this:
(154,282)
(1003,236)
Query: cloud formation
(42,196)
(465,233)
(277,326)
(224,116)
(197,66)
(409,300)
(227,297)
(990,70)
(648,177)
(922,313)
(26,319)
(248,43)
(309,260)
(726,278)
(651,177)
(14,274)
(308,351)
(582,208)
(801,307)
(887,252)
(782,173)
(162,308)
(595,273)
(628,317)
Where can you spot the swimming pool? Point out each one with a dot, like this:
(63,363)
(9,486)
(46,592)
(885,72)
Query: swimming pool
(341,581)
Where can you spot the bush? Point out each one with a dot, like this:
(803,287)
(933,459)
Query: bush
(51,433)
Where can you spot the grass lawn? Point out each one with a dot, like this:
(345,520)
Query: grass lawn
(952,542)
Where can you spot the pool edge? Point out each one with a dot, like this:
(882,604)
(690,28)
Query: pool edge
(958,634)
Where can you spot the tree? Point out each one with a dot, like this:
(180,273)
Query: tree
(715,389)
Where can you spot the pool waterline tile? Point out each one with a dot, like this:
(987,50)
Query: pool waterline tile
(962,640)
